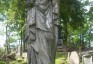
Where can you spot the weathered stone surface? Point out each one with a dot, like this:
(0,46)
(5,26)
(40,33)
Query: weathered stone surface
(73,58)
(41,31)
(87,59)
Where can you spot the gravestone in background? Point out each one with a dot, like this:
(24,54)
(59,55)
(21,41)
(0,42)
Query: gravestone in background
(73,58)
(87,59)
(18,51)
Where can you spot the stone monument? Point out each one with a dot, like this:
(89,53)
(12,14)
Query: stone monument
(73,58)
(41,31)
(87,59)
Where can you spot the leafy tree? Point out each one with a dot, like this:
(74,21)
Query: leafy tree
(71,17)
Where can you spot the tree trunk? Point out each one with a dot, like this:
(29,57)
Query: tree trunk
(21,45)
(7,45)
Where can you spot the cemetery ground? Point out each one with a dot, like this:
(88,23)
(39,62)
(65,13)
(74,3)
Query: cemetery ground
(23,60)
(61,57)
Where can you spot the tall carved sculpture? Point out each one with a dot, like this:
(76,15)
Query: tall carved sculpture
(41,31)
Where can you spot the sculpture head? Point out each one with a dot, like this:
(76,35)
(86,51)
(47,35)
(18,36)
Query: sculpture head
(30,3)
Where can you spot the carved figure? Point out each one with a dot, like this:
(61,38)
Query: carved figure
(41,31)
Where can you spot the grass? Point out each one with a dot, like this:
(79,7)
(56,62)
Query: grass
(61,58)
(19,61)
(1,62)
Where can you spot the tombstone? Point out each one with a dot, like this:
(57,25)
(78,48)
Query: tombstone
(18,51)
(87,59)
(73,58)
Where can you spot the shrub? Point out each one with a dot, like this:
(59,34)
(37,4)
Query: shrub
(2,62)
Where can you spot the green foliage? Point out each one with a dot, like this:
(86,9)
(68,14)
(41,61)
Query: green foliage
(13,12)
(18,11)
(75,20)
(19,61)
(61,58)
(2,50)
(71,17)
(1,62)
